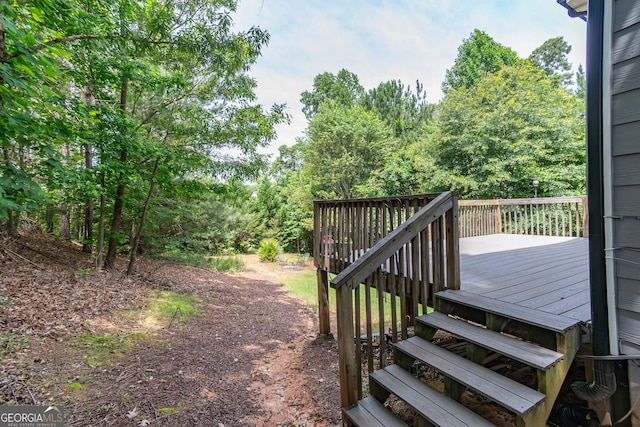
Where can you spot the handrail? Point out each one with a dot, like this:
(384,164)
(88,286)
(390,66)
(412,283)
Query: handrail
(546,216)
(383,249)
(405,268)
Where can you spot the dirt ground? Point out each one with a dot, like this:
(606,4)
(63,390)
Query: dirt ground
(75,336)
(252,359)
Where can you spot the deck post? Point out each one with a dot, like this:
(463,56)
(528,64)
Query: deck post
(585,217)
(452,245)
(349,365)
(323,302)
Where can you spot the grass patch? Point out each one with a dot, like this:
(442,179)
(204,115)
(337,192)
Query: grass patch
(101,349)
(232,264)
(74,387)
(170,305)
(304,285)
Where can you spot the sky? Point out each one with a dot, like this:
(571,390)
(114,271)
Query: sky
(382,40)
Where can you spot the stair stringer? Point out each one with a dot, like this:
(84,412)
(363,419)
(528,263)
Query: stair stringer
(550,380)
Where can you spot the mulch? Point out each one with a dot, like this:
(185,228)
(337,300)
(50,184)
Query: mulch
(252,359)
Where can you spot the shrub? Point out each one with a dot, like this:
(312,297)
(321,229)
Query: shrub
(232,264)
(268,250)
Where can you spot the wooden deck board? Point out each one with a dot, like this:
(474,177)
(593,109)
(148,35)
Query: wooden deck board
(549,274)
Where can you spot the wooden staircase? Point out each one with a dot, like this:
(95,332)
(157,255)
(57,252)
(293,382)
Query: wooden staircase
(547,343)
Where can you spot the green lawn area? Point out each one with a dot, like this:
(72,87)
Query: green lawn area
(304,285)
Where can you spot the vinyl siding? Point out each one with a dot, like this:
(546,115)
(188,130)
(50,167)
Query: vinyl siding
(625,141)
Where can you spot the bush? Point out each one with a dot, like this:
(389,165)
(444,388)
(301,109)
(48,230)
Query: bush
(268,250)
(232,264)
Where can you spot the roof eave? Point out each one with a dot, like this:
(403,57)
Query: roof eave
(579,11)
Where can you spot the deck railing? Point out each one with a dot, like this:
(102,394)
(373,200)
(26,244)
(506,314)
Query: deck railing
(346,229)
(405,264)
(545,216)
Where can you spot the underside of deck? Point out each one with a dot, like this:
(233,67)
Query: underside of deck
(548,274)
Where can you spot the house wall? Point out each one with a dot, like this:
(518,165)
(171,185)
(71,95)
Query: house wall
(625,169)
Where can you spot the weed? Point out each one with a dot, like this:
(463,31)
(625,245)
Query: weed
(166,411)
(83,273)
(99,349)
(10,344)
(167,305)
(74,387)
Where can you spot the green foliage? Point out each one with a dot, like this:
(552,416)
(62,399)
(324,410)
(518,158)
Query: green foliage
(169,305)
(101,349)
(230,264)
(403,111)
(551,57)
(581,83)
(75,387)
(343,89)
(269,250)
(478,56)
(345,146)
(511,127)
(10,343)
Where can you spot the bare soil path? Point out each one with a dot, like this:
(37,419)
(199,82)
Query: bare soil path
(252,359)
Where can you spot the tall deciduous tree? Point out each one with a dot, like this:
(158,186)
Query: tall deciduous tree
(343,88)
(551,57)
(513,126)
(345,145)
(35,117)
(478,56)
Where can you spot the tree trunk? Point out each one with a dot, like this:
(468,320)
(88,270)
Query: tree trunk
(7,162)
(116,221)
(50,218)
(65,216)
(143,217)
(87,238)
(65,226)
(100,245)
(77,222)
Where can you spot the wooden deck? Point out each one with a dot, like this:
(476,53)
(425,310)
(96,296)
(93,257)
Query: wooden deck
(548,274)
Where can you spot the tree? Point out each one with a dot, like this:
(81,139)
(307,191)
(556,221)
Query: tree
(581,83)
(35,116)
(343,88)
(551,57)
(478,56)
(512,126)
(345,145)
(402,110)
(177,74)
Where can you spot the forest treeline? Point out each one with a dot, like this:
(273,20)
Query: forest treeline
(133,127)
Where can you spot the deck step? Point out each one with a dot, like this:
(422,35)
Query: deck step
(530,316)
(502,390)
(370,412)
(530,354)
(434,406)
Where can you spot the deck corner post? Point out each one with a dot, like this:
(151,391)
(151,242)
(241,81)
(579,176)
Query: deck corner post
(349,367)
(323,303)
(585,217)
(453,246)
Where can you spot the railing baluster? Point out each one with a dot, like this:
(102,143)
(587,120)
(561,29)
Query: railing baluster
(424,273)
(382,344)
(368,323)
(393,262)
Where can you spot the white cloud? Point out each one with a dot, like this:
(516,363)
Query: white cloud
(382,40)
